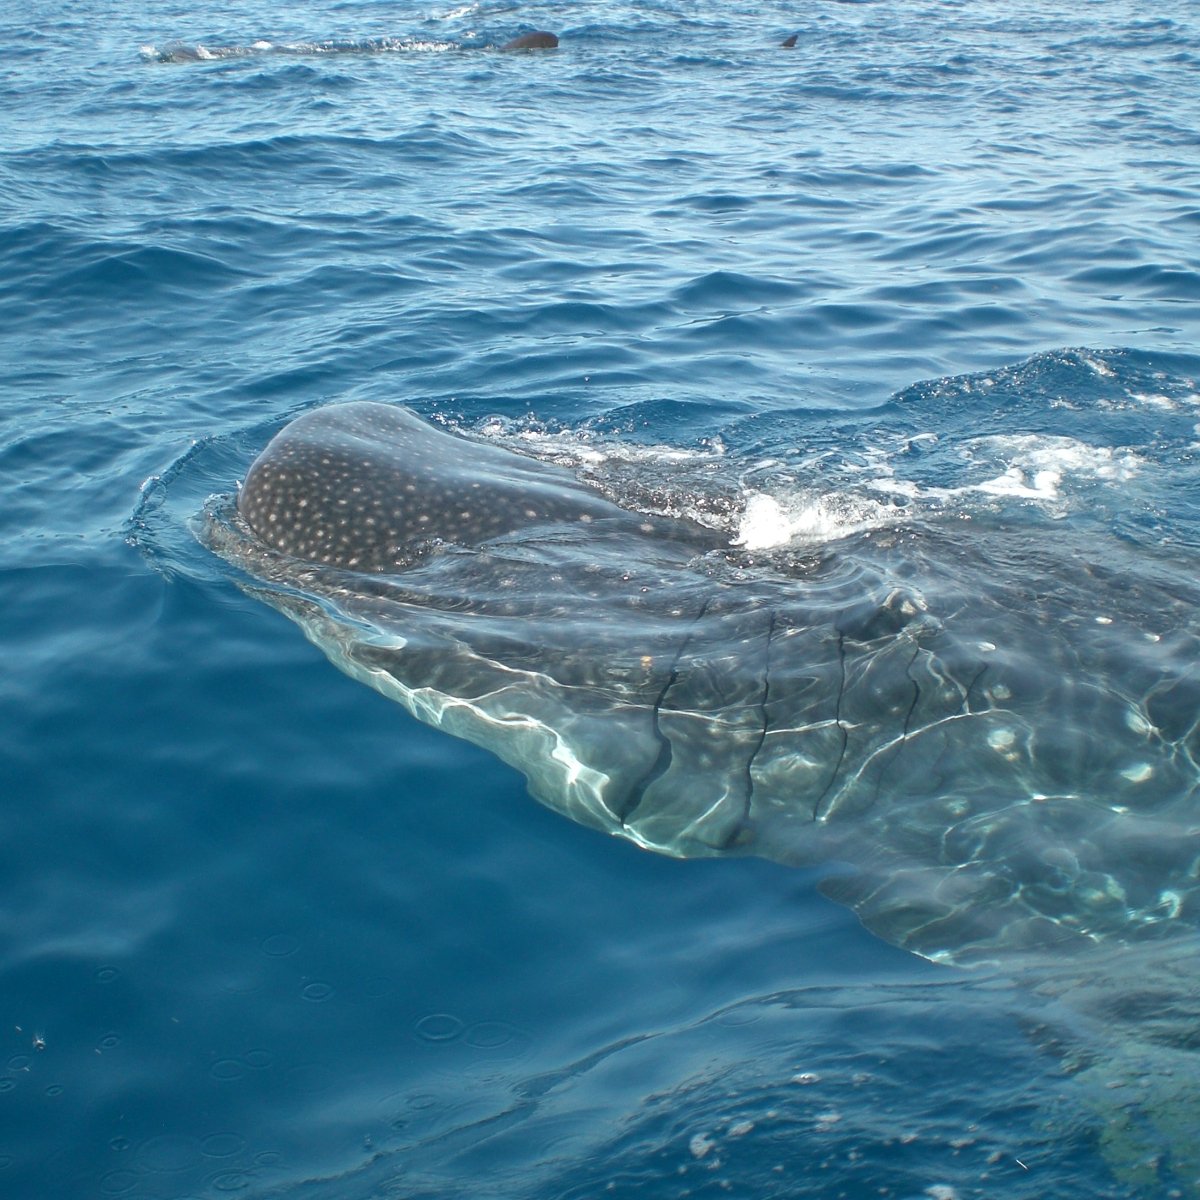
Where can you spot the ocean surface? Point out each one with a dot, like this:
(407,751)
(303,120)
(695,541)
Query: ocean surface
(262,933)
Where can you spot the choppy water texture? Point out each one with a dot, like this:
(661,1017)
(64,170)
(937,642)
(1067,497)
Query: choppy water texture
(262,933)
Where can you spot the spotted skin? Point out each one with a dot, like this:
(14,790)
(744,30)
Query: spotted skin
(373,487)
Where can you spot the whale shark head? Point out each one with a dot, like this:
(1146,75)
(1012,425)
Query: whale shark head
(373,487)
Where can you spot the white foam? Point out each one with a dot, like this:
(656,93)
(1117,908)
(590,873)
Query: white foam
(1035,467)
(1043,485)
(767,521)
(1154,400)
(1039,464)
(941,1191)
(763,524)
(454,14)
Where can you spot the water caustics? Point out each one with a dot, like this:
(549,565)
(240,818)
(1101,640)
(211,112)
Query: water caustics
(966,673)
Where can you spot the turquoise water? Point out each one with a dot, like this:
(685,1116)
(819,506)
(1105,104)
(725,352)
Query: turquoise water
(261,932)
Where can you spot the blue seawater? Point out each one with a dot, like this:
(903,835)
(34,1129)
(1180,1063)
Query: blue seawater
(263,934)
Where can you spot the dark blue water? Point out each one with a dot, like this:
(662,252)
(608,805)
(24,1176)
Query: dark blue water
(260,932)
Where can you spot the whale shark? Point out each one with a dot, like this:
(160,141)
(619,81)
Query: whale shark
(183,52)
(539,39)
(983,733)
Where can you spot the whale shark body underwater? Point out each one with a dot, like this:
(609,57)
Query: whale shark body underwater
(989,735)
